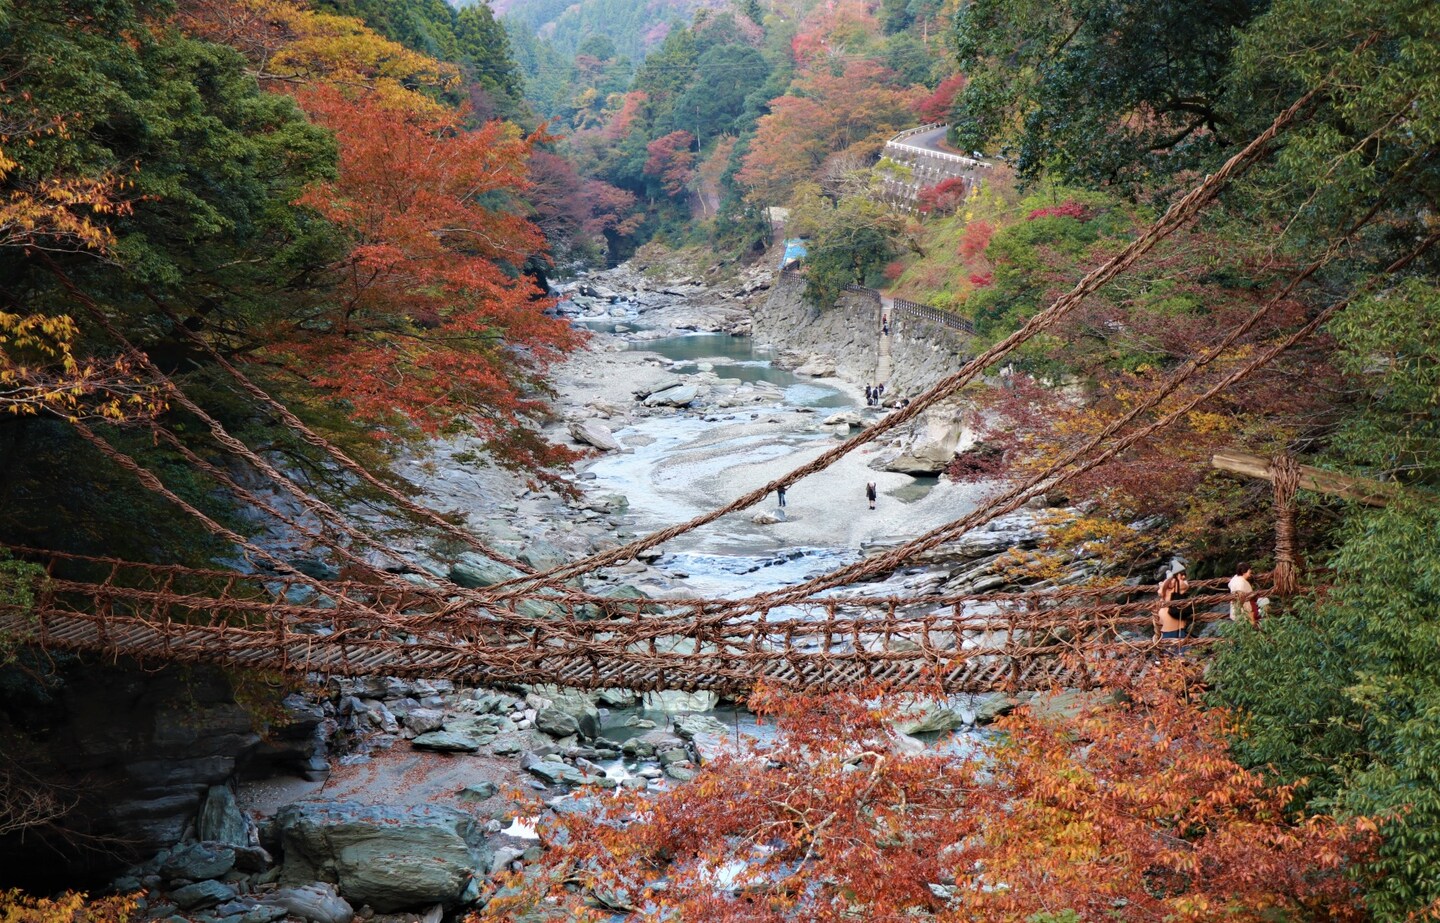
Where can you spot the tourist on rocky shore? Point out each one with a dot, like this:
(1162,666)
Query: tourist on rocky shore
(870,494)
(780,496)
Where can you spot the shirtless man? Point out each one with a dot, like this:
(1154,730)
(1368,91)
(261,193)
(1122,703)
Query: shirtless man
(1240,585)
(1169,622)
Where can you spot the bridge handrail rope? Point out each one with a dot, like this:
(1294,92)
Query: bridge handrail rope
(1054,475)
(828,652)
(310,437)
(119,570)
(1179,213)
(317,507)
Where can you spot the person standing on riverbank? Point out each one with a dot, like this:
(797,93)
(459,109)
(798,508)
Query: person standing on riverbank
(780,496)
(871,493)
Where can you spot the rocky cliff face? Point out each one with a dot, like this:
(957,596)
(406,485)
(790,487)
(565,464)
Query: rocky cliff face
(849,333)
(136,752)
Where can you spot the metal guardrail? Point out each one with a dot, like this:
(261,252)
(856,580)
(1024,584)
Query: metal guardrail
(898,142)
(925,312)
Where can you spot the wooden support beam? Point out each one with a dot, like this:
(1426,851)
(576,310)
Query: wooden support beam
(1361,490)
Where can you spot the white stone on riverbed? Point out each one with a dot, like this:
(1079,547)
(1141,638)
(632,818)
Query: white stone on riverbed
(594,433)
(678,396)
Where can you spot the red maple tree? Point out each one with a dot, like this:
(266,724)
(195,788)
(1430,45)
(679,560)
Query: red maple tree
(671,161)
(433,320)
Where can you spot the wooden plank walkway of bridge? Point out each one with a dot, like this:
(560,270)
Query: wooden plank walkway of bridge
(685,664)
(963,643)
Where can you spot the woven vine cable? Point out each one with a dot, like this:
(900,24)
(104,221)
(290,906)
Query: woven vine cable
(1017,497)
(316,506)
(254,552)
(1175,217)
(338,455)
(1041,482)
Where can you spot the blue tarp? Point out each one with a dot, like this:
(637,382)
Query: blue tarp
(794,250)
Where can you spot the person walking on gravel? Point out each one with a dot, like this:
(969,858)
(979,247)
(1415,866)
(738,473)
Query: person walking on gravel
(871,493)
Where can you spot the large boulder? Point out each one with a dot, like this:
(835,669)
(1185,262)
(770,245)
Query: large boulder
(201,894)
(445,742)
(593,432)
(388,857)
(664,384)
(475,571)
(220,820)
(817,367)
(931,449)
(678,396)
(568,712)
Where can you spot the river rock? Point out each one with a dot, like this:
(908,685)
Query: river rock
(198,862)
(986,707)
(550,771)
(391,858)
(936,719)
(845,418)
(424,720)
(678,396)
(483,790)
(446,742)
(817,366)
(689,727)
(220,820)
(595,433)
(556,723)
(201,894)
(314,903)
(933,446)
(616,698)
(579,709)
(673,701)
(475,571)
(769,517)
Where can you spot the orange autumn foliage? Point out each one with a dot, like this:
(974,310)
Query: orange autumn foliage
(290,45)
(1132,810)
(432,320)
(70,907)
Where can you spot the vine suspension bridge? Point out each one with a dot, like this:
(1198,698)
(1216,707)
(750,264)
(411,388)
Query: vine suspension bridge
(823,634)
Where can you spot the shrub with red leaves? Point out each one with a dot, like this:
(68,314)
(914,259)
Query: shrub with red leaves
(1066,210)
